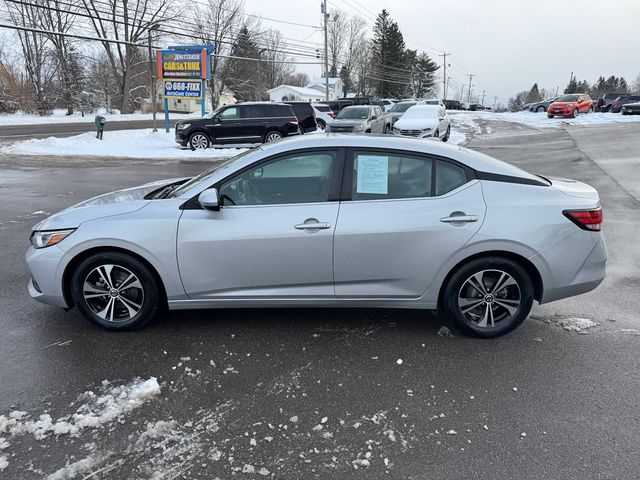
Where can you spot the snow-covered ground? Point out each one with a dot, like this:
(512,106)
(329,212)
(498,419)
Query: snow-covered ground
(59,116)
(120,143)
(540,120)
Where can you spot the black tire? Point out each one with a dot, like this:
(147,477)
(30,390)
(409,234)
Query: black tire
(447,135)
(549,116)
(575,112)
(541,108)
(199,141)
(120,317)
(459,289)
(590,109)
(271,135)
(436,135)
(322,124)
(386,129)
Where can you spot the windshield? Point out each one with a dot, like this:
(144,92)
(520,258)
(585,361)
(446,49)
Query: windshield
(611,96)
(353,113)
(402,107)
(418,112)
(212,114)
(210,172)
(568,98)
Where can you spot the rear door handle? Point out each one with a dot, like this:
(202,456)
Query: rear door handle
(460,219)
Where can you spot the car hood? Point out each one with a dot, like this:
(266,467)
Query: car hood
(415,123)
(347,123)
(106,205)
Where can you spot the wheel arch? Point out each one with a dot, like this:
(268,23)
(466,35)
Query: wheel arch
(80,257)
(530,268)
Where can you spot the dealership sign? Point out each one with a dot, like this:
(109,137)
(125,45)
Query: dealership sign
(183,64)
(183,88)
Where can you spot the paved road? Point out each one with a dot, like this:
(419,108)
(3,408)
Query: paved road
(23,132)
(250,389)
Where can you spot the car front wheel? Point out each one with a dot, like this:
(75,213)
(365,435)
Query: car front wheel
(198,141)
(447,135)
(540,109)
(488,297)
(115,291)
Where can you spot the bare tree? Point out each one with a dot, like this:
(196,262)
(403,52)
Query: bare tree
(35,56)
(636,84)
(297,79)
(131,22)
(336,35)
(274,73)
(218,22)
(60,18)
(355,52)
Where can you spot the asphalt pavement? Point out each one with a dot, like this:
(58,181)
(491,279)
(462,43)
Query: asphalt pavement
(313,393)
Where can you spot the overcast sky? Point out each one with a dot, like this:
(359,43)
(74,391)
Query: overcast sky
(508,44)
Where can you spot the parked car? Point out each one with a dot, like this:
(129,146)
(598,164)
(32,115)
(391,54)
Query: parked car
(434,101)
(359,119)
(306,116)
(631,109)
(422,225)
(570,105)
(244,123)
(616,107)
(542,106)
(604,103)
(324,114)
(424,121)
(387,103)
(453,104)
(526,106)
(400,108)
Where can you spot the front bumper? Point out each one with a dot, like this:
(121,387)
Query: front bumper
(181,137)
(46,268)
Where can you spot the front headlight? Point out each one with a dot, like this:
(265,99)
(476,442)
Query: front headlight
(570,105)
(182,126)
(49,238)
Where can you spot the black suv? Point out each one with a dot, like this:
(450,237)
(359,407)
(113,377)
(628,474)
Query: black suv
(244,123)
(623,100)
(306,116)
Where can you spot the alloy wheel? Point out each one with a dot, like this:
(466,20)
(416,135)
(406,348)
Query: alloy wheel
(273,136)
(113,293)
(489,297)
(199,141)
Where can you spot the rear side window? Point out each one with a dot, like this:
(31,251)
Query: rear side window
(278,111)
(253,111)
(322,108)
(302,109)
(379,176)
(449,177)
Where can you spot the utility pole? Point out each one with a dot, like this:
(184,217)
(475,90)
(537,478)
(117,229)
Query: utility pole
(325,17)
(471,75)
(152,81)
(483,93)
(444,76)
(462,92)
(495,102)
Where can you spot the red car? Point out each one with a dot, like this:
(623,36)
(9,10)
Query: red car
(570,105)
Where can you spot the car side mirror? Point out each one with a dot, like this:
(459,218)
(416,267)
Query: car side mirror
(373,117)
(209,199)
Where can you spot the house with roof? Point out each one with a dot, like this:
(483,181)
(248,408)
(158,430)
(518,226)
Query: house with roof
(314,92)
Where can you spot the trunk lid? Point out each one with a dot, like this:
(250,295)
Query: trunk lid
(574,188)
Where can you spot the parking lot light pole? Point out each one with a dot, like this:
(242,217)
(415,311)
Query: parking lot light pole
(326,50)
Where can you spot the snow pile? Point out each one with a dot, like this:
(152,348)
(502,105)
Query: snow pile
(96,411)
(3,462)
(571,324)
(59,116)
(73,470)
(122,143)
(540,120)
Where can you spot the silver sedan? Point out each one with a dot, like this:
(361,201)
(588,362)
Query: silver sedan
(328,221)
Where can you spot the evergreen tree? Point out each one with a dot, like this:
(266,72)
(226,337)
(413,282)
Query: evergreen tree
(422,76)
(347,81)
(534,94)
(624,87)
(388,64)
(242,76)
(572,87)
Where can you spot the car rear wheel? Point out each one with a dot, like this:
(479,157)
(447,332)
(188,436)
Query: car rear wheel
(115,291)
(272,136)
(549,116)
(322,124)
(488,297)
(541,109)
(198,141)
(574,114)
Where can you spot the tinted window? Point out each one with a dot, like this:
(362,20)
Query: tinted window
(278,111)
(449,177)
(322,108)
(302,110)
(253,111)
(634,97)
(402,107)
(382,176)
(230,113)
(297,178)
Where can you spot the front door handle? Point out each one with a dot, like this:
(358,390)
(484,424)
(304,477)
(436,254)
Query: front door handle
(312,224)
(459,218)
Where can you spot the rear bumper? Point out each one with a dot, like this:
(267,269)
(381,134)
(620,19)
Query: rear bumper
(587,277)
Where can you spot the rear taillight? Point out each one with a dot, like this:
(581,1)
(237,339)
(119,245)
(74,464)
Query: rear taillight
(295,121)
(586,219)
(331,114)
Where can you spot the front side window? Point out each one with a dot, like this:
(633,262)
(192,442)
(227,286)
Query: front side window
(296,178)
(230,113)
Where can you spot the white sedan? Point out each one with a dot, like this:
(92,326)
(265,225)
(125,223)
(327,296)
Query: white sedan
(424,121)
